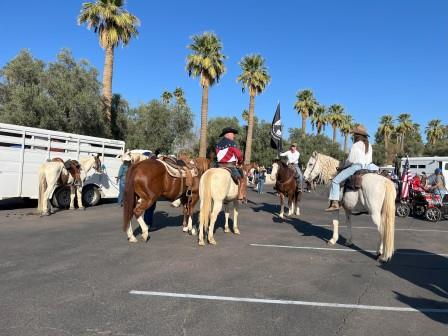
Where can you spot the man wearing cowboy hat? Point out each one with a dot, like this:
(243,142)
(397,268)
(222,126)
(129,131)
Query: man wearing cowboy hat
(360,157)
(293,156)
(228,155)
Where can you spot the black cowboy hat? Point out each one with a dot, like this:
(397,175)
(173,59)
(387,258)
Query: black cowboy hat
(226,130)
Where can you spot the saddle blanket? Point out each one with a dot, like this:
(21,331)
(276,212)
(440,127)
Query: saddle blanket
(178,171)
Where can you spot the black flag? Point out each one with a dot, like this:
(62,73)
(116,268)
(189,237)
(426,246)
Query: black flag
(276,130)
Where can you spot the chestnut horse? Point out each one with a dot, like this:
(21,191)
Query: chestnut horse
(286,185)
(146,182)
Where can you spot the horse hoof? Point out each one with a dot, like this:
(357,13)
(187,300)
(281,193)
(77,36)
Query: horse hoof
(132,239)
(227,230)
(212,241)
(45,214)
(201,243)
(331,242)
(185,229)
(281,216)
(193,232)
(236,231)
(72,208)
(82,208)
(145,236)
(348,244)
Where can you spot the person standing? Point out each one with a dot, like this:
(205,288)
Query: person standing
(261,180)
(438,187)
(293,156)
(121,178)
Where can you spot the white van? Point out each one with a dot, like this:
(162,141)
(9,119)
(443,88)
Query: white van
(24,149)
(417,165)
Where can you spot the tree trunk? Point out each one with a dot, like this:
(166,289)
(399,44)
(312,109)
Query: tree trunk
(386,143)
(319,128)
(303,125)
(250,129)
(345,143)
(204,112)
(107,82)
(334,134)
(402,142)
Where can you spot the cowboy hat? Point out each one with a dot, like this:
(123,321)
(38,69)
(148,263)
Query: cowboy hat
(361,130)
(226,130)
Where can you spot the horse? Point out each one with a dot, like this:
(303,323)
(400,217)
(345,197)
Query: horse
(146,182)
(375,197)
(286,186)
(74,169)
(217,186)
(52,173)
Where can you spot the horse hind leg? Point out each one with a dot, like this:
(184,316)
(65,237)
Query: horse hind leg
(79,197)
(291,205)
(226,215)
(349,240)
(282,206)
(217,206)
(235,218)
(72,198)
(376,218)
(139,212)
(130,233)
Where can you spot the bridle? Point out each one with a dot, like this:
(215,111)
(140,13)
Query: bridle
(314,166)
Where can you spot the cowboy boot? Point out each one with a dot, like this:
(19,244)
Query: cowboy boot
(240,189)
(334,206)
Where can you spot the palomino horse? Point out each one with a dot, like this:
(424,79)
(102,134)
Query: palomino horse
(50,173)
(376,197)
(286,186)
(217,187)
(146,182)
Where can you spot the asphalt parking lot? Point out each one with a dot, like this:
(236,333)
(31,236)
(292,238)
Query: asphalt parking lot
(74,273)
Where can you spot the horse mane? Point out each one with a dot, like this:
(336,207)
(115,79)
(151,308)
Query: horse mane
(328,166)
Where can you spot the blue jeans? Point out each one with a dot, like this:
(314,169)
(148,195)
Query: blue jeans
(121,187)
(299,175)
(149,214)
(260,186)
(341,177)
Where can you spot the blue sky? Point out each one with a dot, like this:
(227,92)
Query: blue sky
(373,57)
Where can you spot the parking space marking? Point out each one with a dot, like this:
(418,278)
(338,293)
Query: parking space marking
(288,302)
(345,250)
(396,229)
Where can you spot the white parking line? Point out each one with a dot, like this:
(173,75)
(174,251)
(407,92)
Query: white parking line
(426,254)
(288,302)
(396,229)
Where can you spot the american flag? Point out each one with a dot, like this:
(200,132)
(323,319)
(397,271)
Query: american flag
(405,179)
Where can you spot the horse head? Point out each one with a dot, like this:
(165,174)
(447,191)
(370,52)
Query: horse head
(97,164)
(312,167)
(75,170)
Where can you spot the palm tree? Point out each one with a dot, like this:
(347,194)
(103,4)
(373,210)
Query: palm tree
(207,63)
(255,78)
(166,97)
(405,125)
(114,25)
(386,129)
(434,131)
(335,118)
(305,105)
(319,119)
(180,96)
(346,127)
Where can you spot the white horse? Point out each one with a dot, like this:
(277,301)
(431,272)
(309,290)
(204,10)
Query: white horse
(216,186)
(376,197)
(50,175)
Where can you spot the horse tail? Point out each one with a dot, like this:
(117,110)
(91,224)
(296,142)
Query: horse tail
(388,221)
(206,199)
(128,198)
(42,188)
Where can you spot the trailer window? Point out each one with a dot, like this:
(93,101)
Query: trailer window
(446,166)
(422,166)
(413,166)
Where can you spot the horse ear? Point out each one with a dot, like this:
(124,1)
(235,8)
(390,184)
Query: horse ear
(314,154)
(98,155)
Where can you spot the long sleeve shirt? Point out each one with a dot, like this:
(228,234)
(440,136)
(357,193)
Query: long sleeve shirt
(293,158)
(226,152)
(358,154)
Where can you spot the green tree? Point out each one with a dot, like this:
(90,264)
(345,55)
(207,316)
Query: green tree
(335,118)
(179,95)
(386,129)
(114,25)
(207,63)
(319,119)
(120,113)
(166,97)
(346,127)
(305,105)
(434,131)
(405,126)
(255,78)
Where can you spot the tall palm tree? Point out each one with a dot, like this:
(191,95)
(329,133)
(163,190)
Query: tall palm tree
(434,131)
(207,63)
(305,105)
(255,78)
(335,118)
(319,119)
(166,97)
(346,127)
(405,125)
(180,96)
(386,129)
(114,25)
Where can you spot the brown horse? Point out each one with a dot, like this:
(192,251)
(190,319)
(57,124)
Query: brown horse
(286,185)
(146,182)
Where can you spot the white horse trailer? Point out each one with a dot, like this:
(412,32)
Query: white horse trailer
(417,165)
(24,149)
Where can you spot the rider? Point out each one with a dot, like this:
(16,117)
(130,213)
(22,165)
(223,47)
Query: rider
(438,187)
(360,157)
(229,156)
(293,156)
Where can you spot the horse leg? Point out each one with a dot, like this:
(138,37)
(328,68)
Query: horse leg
(226,214)
(282,197)
(291,205)
(376,218)
(130,233)
(72,197)
(349,240)
(184,222)
(79,196)
(194,200)
(139,212)
(217,206)
(297,205)
(235,218)
(335,237)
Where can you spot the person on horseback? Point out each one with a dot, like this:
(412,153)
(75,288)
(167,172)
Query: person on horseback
(293,156)
(360,157)
(229,156)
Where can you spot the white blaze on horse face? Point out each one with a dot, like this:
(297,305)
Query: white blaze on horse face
(311,169)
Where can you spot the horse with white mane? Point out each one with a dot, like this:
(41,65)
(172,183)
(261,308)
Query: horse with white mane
(50,174)
(375,197)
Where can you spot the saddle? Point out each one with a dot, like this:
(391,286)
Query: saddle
(354,182)
(234,178)
(180,169)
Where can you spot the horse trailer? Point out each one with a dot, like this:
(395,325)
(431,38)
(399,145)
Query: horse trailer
(24,149)
(418,165)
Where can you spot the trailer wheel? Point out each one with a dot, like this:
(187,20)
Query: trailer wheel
(91,196)
(61,198)
(403,210)
(433,214)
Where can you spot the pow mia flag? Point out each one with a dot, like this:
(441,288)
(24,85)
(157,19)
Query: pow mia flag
(276,130)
